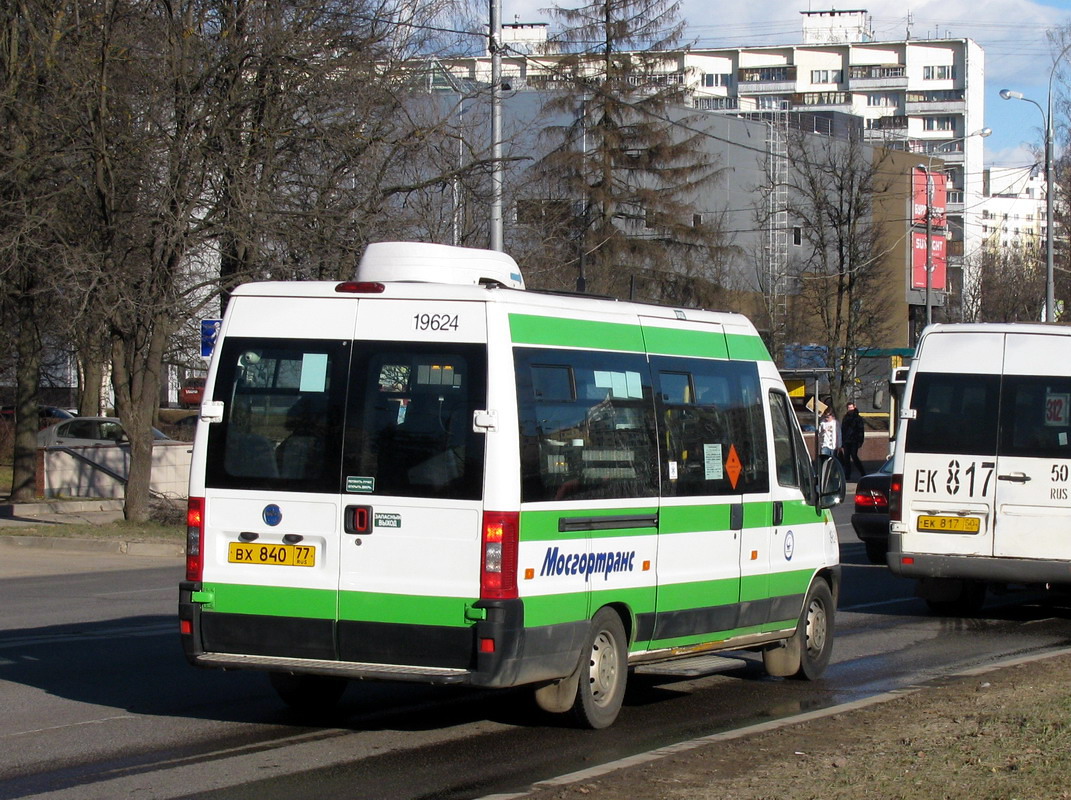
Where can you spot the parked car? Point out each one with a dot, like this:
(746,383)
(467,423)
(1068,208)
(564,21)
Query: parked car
(46,415)
(871,517)
(192,392)
(88,431)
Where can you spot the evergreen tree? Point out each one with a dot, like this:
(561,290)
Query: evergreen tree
(630,163)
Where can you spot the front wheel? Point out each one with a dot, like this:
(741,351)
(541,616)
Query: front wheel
(603,672)
(807,653)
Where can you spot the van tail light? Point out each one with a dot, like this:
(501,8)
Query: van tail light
(498,570)
(896,497)
(195,538)
(360,287)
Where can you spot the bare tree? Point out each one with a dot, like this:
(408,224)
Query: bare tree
(842,279)
(1010,285)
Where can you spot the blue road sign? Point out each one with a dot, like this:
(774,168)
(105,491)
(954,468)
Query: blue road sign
(209,330)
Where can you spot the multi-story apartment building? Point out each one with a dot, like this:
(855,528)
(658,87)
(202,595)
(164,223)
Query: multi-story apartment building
(924,96)
(1013,211)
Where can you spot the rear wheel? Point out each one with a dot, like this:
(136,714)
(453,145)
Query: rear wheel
(951,597)
(603,672)
(309,694)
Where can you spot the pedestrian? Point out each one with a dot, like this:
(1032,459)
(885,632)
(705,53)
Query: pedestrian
(828,433)
(853,431)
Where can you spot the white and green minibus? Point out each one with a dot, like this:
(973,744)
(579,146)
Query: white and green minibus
(431,474)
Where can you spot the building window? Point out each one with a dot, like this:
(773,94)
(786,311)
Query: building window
(773,102)
(883,100)
(942,72)
(797,236)
(939,124)
(716,103)
(767,74)
(825,76)
(712,79)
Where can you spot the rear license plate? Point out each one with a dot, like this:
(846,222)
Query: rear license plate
(953,524)
(281,555)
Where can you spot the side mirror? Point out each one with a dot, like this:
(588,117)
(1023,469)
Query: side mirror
(830,481)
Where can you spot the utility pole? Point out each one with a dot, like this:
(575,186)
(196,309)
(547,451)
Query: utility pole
(495,46)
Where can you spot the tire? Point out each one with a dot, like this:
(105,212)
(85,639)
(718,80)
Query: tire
(876,552)
(603,672)
(807,653)
(308,694)
(816,631)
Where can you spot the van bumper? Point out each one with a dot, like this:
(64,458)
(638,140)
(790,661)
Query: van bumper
(497,651)
(977,568)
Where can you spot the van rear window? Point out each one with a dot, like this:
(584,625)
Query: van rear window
(388,418)
(956,413)
(284,402)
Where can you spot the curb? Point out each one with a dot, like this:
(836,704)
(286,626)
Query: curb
(11,510)
(107,546)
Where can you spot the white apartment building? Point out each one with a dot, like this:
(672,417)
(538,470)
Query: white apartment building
(924,96)
(1013,212)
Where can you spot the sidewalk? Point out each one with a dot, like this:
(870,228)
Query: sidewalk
(54,514)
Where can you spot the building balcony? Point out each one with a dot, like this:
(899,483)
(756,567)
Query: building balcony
(939,107)
(767,87)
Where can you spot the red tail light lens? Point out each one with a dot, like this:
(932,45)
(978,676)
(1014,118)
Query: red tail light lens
(896,496)
(873,499)
(498,570)
(195,538)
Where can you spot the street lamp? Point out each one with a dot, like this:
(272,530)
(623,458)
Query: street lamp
(927,168)
(1046,113)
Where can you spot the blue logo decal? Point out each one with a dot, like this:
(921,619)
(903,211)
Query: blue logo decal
(790,545)
(272,515)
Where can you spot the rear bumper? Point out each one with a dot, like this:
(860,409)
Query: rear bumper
(382,651)
(871,527)
(976,568)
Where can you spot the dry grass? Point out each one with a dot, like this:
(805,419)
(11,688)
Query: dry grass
(1002,736)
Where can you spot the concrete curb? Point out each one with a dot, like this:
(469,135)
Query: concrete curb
(107,546)
(22,510)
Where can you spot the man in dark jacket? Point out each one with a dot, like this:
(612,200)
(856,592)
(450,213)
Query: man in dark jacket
(852,432)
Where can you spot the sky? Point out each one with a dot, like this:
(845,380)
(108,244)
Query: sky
(1013,34)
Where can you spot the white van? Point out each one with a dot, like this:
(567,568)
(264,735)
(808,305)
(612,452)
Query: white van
(982,464)
(447,479)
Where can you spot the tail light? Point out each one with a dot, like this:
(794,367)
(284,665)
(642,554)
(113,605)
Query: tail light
(498,570)
(896,497)
(195,538)
(871,499)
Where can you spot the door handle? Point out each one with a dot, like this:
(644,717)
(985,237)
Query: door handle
(357,520)
(778,512)
(1015,477)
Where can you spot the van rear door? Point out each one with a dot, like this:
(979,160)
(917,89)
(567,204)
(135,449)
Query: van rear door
(1033,517)
(412,483)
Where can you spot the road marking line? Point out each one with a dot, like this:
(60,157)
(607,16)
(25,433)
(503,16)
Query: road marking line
(62,727)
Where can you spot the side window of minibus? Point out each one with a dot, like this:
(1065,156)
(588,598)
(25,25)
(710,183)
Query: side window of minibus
(785,460)
(712,430)
(587,425)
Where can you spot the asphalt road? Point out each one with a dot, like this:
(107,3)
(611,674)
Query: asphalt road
(99,703)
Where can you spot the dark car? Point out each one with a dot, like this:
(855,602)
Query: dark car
(46,415)
(871,517)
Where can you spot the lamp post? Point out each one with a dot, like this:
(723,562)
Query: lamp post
(927,169)
(1046,113)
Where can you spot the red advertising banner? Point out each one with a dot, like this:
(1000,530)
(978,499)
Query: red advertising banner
(938,262)
(938,203)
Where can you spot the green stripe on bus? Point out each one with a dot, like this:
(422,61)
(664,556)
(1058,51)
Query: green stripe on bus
(798,512)
(556,609)
(698,594)
(404,609)
(679,342)
(560,332)
(747,348)
(540,526)
(271,601)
